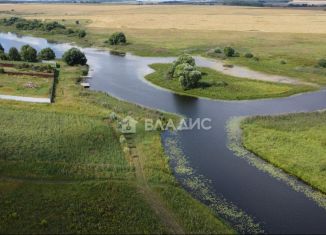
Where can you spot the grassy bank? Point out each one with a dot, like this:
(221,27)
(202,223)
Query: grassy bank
(63,170)
(295,143)
(294,36)
(216,85)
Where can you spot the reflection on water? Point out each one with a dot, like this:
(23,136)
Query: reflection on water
(278,207)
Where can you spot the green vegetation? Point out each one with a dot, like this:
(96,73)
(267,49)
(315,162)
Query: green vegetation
(295,143)
(117,38)
(37,25)
(322,63)
(46,54)
(13,54)
(184,69)
(216,85)
(23,85)
(229,51)
(63,169)
(74,57)
(28,53)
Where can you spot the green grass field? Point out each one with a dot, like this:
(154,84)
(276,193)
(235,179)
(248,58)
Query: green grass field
(62,170)
(212,85)
(296,143)
(23,85)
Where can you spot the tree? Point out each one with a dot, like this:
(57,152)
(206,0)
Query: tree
(1,48)
(229,51)
(190,79)
(46,54)
(74,57)
(28,53)
(3,56)
(14,54)
(182,59)
(117,38)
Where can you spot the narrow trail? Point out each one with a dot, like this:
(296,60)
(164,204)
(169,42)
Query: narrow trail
(245,72)
(153,199)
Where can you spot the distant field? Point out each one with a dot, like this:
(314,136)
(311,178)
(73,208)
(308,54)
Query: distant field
(182,17)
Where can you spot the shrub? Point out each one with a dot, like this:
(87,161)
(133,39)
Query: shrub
(28,53)
(283,62)
(1,48)
(14,54)
(256,59)
(77,22)
(81,33)
(53,25)
(74,57)
(218,50)
(229,51)
(117,38)
(249,55)
(46,54)
(2,70)
(322,63)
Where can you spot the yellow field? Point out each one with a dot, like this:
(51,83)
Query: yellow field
(181,17)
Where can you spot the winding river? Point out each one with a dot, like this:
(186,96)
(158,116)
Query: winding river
(268,200)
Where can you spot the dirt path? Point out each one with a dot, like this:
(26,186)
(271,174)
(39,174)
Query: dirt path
(244,72)
(153,199)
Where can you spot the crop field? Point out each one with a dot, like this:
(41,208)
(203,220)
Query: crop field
(295,143)
(216,85)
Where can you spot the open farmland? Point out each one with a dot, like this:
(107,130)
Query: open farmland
(294,36)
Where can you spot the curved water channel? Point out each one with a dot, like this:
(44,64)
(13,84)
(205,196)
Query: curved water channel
(270,201)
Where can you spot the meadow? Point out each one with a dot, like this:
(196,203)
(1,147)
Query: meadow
(294,143)
(216,85)
(274,35)
(23,85)
(64,170)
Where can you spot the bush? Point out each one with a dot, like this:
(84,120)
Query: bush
(53,25)
(117,38)
(14,54)
(229,51)
(283,62)
(1,48)
(74,57)
(2,70)
(322,63)
(81,33)
(249,55)
(28,53)
(218,50)
(46,54)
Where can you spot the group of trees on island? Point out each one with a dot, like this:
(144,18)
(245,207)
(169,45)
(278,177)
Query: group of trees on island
(184,69)
(72,57)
